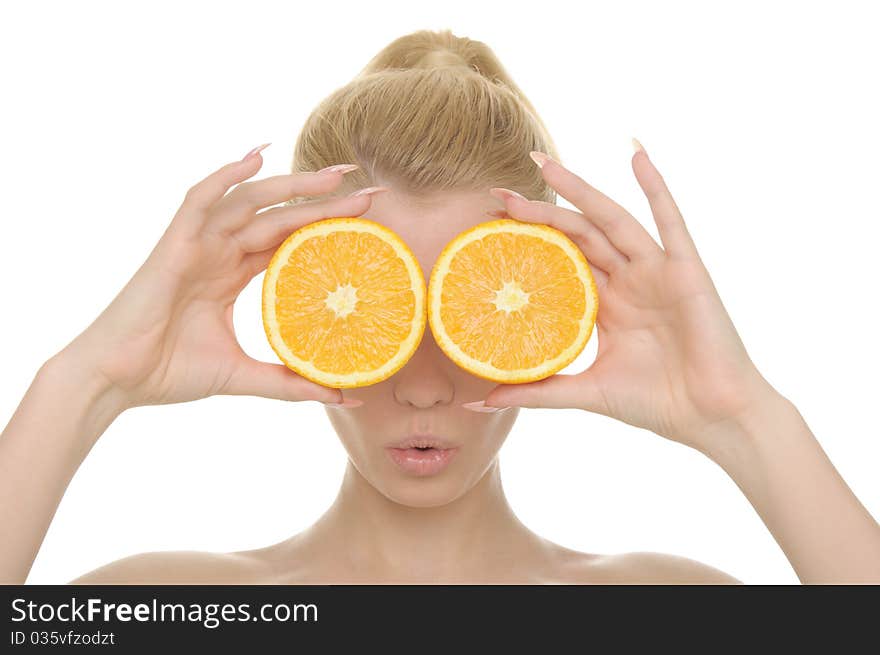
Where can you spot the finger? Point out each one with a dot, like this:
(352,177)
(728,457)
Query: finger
(621,228)
(674,234)
(256,378)
(269,228)
(255,263)
(595,245)
(600,276)
(205,193)
(239,205)
(559,391)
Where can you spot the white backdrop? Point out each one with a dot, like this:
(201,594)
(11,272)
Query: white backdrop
(761,116)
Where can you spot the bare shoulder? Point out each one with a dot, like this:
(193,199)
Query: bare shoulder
(645,568)
(179,567)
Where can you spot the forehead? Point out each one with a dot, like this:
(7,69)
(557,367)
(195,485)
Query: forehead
(428,223)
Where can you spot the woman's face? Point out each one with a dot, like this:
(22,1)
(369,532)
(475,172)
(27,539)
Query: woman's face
(424,397)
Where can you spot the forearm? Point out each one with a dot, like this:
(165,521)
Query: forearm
(823,529)
(64,411)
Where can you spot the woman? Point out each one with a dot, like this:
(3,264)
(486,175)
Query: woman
(432,124)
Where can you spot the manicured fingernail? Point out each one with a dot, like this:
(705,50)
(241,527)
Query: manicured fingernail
(339,168)
(503,194)
(348,402)
(369,190)
(256,150)
(637,146)
(480,406)
(539,158)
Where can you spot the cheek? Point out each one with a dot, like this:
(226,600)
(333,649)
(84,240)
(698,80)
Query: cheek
(490,429)
(351,427)
(363,431)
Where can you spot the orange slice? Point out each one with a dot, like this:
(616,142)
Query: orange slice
(344,302)
(511,301)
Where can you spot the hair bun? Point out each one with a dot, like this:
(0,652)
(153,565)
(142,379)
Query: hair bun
(442,58)
(429,49)
(431,111)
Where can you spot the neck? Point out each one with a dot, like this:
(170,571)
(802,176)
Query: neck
(470,537)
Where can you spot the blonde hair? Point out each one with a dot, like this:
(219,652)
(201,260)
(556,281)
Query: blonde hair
(430,112)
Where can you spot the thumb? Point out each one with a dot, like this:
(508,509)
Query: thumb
(256,378)
(560,391)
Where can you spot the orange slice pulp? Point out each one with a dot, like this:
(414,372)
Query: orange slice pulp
(344,302)
(511,301)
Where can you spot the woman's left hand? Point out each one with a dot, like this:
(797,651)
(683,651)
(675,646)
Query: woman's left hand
(669,358)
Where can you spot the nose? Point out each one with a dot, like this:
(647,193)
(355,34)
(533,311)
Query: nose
(424,381)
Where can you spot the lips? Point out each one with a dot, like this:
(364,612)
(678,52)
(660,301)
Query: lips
(422,455)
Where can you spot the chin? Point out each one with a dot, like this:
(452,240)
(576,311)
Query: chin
(423,490)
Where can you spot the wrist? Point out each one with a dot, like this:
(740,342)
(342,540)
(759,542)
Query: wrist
(741,438)
(80,389)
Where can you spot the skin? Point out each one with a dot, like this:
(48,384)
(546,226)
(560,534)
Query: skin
(669,360)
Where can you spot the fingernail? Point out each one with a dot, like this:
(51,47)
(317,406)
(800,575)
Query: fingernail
(497,213)
(637,146)
(503,194)
(256,150)
(348,402)
(369,190)
(339,168)
(539,158)
(480,406)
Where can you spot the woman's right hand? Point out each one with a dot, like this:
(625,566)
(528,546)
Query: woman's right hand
(168,336)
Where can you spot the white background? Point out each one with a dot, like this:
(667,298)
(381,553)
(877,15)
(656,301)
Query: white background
(761,116)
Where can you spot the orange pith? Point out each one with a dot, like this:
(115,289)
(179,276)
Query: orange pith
(512,301)
(344,302)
